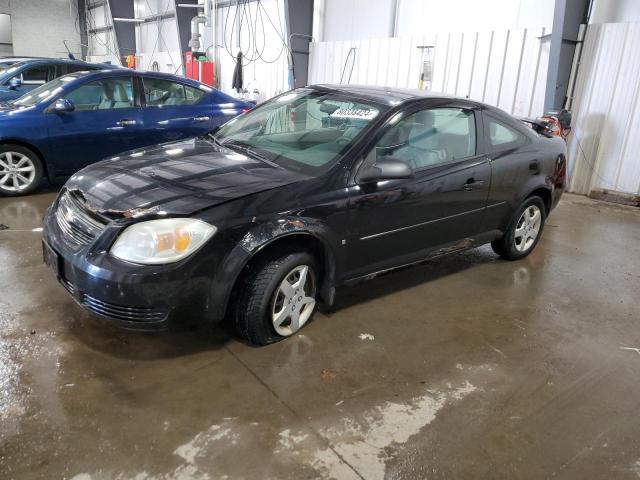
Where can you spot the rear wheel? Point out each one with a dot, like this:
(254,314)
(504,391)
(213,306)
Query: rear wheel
(20,170)
(277,298)
(524,231)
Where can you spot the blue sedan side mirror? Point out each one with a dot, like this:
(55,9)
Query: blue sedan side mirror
(15,82)
(63,105)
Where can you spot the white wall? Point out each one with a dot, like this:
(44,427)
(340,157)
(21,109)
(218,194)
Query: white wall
(157,41)
(361,19)
(505,68)
(102,44)
(420,16)
(6,40)
(604,145)
(5,28)
(611,11)
(39,27)
(357,19)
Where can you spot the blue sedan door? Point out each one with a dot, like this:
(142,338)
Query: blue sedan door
(106,121)
(175,111)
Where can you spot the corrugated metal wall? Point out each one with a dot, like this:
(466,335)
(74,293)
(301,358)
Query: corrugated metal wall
(604,146)
(505,68)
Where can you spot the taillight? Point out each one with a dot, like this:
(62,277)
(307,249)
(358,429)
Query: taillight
(560,173)
(245,109)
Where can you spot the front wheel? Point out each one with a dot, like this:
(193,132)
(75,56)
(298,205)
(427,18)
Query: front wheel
(524,232)
(277,299)
(20,170)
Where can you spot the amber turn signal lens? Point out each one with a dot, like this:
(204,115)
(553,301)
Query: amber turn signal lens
(181,241)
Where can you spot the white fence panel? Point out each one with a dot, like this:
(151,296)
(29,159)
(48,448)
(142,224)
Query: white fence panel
(606,137)
(503,68)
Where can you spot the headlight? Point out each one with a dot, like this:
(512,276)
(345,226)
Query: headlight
(162,241)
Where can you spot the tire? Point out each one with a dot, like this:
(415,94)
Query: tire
(524,232)
(263,313)
(20,170)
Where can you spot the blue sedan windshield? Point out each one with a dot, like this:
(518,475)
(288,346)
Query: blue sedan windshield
(8,71)
(44,92)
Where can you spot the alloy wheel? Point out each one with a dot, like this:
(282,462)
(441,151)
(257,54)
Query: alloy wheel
(17,171)
(293,301)
(527,228)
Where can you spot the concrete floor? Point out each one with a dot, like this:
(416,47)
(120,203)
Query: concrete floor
(465,367)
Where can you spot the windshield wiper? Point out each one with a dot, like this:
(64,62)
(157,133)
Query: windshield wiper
(215,139)
(248,150)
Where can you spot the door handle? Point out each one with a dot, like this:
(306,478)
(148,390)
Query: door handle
(472,183)
(200,119)
(125,122)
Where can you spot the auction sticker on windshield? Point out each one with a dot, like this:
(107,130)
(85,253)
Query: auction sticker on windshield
(355,113)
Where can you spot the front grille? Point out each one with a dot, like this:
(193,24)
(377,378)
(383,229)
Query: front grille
(135,314)
(78,225)
(68,285)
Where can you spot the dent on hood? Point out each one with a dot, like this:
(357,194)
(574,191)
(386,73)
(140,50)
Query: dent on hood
(137,212)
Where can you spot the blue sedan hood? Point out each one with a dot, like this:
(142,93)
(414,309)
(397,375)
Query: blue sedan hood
(180,178)
(8,107)
(8,94)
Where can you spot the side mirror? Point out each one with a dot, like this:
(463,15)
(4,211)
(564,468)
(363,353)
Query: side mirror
(63,105)
(15,82)
(386,169)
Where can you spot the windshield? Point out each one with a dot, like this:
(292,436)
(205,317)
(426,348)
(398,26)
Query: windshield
(304,130)
(43,92)
(6,70)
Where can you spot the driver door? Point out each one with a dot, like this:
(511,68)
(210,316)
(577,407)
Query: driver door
(393,222)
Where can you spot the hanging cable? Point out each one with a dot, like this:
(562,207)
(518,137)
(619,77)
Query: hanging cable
(344,68)
(605,183)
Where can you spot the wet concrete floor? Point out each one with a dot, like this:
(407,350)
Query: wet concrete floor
(464,367)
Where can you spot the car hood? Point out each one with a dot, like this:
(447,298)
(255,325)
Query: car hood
(8,94)
(6,106)
(179,178)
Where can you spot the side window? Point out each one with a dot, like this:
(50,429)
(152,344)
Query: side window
(104,94)
(192,95)
(430,137)
(502,137)
(61,70)
(164,92)
(36,75)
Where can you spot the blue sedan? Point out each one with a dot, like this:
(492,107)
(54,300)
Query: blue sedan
(21,75)
(80,118)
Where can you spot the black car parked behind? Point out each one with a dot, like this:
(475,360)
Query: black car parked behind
(313,189)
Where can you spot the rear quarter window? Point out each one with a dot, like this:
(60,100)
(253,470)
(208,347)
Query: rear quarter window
(503,136)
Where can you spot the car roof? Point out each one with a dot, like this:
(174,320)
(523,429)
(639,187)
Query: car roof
(119,71)
(65,61)
(386,95)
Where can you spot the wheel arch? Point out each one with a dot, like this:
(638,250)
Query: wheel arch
(305,240)
(33,148)
(545,194)
(248,252)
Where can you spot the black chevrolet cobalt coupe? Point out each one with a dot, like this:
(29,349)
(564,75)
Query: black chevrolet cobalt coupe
(262,219)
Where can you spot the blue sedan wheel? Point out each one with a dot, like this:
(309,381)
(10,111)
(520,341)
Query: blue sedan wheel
(20,170)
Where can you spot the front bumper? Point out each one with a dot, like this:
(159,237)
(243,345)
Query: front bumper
(148,298)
